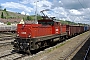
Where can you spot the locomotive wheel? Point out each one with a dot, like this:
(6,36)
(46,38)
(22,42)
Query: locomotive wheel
(38,45)
(45,43)
(29,52)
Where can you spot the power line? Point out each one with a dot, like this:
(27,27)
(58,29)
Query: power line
(80,4)
(85,3)
(83,6)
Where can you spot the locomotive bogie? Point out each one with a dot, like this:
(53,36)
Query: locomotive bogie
(35,43)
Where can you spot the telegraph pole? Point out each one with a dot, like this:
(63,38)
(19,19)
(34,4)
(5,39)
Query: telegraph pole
(36,13)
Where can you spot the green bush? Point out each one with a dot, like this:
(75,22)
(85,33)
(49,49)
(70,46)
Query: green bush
(8,23)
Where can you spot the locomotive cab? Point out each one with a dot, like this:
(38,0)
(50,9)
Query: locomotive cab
(53,22)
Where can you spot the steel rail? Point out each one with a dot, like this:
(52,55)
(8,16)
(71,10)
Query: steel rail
(12,54)
(76,47)
(88,50)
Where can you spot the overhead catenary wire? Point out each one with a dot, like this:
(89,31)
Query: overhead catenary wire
(85,3)
(80,4)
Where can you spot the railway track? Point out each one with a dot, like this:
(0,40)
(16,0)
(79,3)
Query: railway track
(6,33)
(87,55)
(6,38)
(5,44)
(76,49)
(11,56)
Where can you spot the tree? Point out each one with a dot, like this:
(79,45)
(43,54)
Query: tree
(2,16)
(23,18)
(5,9)
(28,18)
(0,7)
(39,17)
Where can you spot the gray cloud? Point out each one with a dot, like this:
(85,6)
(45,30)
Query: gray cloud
(45,5)
(76,4)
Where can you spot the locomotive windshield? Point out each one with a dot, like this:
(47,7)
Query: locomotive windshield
(46,23)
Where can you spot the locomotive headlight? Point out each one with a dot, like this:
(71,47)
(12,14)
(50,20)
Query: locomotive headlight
(17,35)
(15,42)
(29,36)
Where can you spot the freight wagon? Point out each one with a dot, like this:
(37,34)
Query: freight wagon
(73,30)
(86,28)
(8,28)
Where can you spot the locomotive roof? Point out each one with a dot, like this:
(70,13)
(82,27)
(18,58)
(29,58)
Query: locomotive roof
(48,20)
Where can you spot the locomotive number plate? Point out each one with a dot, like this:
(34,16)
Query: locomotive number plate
(23,32)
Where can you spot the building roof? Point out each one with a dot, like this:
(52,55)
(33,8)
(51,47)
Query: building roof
(16,21)
(10,20)
(30,22)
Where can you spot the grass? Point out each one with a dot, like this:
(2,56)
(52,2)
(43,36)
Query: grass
(8,14)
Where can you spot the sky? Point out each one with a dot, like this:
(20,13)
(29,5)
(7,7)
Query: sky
(72,10)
